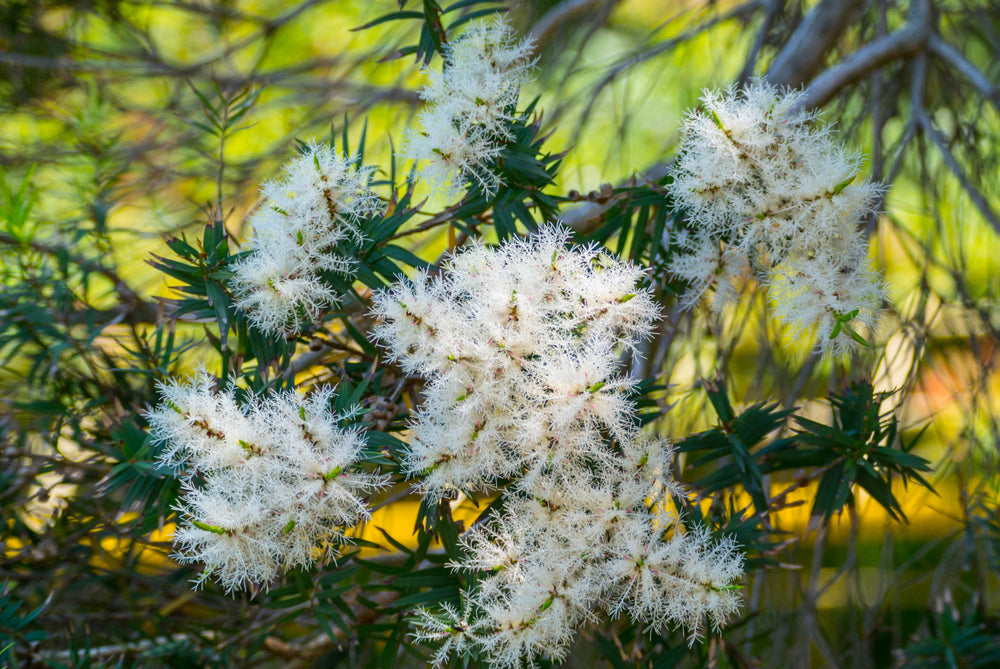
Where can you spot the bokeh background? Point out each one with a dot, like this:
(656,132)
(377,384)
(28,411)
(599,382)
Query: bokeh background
(107,147)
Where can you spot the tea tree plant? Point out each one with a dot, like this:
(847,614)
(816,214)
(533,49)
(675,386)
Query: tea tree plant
(518,348)
(343,365)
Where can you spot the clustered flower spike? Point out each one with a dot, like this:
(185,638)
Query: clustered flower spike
(520,346)
(771,195)
(295,237)
(266,486)
(470,102)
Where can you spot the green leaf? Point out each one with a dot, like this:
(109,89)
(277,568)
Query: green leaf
(433,595)
(843,184)
(391,16)
(825,502)
(720,402)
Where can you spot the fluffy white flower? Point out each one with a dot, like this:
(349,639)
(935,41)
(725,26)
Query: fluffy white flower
(520,346)
(771,194)
(265,486)
(531,617)
(295,236)
(599,539)
(470,101)
(682,580)
(809,292)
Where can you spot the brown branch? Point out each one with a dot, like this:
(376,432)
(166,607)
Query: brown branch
(131,309)
(118,650)
(587,217)
(906,41)
(279,77)
(741,11)
(304,655)
(804,52)
(770,13)
(85,264)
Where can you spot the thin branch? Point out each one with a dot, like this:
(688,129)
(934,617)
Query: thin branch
(950,55)
(306,654)
(773,8)
(567,11)
(740,11)
(808,45)
(85,264)
(923,119)
(906,41)
(131,309)
(119,649)
(587,217)
(279,77)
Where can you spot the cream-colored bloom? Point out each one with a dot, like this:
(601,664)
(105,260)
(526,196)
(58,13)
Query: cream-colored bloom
(294,237)
(470,102)
(265,486)
(520,345)
(771,194)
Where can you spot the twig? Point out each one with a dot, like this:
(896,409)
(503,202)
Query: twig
(808,45)
(567,11)
(950,55)
(119,649)
(304,655)
(923,119)
(739,11)
(773,8)
(587,217)
(906,41)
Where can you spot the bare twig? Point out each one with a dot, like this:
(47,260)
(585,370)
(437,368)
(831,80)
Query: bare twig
(567,11)
(772,10)
(950,55)
(741,11)
(587,217)
(811,41)
(119,649)
(923,119)
(906,41)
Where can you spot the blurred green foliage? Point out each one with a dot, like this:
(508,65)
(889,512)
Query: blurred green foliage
(124,122)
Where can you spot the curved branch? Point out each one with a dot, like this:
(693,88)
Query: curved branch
(808,45)
(953,57)
(587,217)
(771,12)
(907,41)
(565,12)
(923,119)
(740,11)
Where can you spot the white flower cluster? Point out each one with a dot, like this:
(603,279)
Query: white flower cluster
(567,547)
(265,486)
(295,235)
(519,345)
(470,101)
(773,196)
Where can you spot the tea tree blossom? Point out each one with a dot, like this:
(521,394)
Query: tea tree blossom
(771,195)
(266,486)
(470,102)
(295,236)
(571,547)
(520,345)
